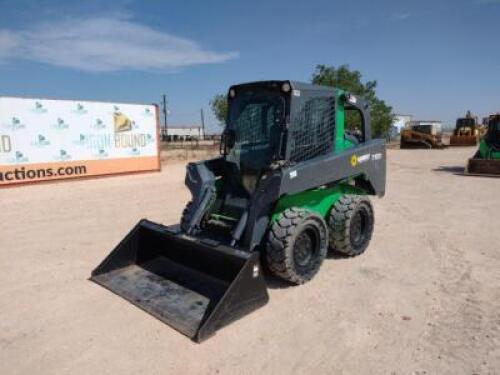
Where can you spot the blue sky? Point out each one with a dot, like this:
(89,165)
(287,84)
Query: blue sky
(432,59)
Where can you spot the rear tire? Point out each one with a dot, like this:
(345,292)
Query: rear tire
(351,224)
(297,245)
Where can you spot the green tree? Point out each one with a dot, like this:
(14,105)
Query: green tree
(219,108)
(342,77)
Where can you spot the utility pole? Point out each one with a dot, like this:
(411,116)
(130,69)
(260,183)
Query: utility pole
(165,112)
(202,123)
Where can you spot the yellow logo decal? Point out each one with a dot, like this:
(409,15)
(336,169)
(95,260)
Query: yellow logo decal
(122,122)
(354,160)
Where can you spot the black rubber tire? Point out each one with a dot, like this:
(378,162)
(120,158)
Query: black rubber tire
(343,220)
(297,236)
(187,214)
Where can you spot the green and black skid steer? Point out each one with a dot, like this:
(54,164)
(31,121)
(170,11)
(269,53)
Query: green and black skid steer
(291,182)
(486,161)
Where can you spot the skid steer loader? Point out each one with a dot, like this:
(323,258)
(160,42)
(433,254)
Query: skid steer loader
(289,184)
(466,131)
(486,161)
(426,136)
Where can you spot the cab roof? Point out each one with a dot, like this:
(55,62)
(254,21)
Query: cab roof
(295,85)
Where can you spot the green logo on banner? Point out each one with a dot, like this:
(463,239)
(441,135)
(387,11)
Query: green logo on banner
(135,151)
(61,124)
(63,155)
(101,153)
(19,158)
(15,124)
(98,124)
(39,108)
(41,141)
(80,109)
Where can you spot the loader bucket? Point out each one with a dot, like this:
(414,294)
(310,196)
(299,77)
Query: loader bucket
(463,140)
(483,167)
(196,286)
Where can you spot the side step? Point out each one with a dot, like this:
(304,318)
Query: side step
(195,286)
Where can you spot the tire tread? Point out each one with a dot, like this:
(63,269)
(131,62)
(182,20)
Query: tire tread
(339,224)
(279,249)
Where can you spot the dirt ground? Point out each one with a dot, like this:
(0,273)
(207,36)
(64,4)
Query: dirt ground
(423,299)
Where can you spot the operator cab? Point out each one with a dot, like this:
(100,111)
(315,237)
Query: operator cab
(465,123)
(276,121)
(493,134)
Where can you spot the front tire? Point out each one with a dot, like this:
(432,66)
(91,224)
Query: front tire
(297,245)
(351,224)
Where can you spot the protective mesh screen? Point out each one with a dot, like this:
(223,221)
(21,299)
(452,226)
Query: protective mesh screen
(312,129)
(254,123)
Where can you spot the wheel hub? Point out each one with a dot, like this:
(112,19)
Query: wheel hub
(303,249)
(358,227)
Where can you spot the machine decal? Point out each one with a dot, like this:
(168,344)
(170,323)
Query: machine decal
(363,158)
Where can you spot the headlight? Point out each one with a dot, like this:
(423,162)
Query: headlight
(285,87)
(232,93)
(351,98)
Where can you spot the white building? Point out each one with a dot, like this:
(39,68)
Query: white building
(181,133)
(401,121)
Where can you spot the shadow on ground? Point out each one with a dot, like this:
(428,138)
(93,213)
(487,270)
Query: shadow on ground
(456,170)
(274,282)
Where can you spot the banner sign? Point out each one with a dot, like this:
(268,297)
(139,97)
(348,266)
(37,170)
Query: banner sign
(42,139)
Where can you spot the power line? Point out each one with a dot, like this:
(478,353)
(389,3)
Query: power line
(165,112)
(202,122)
